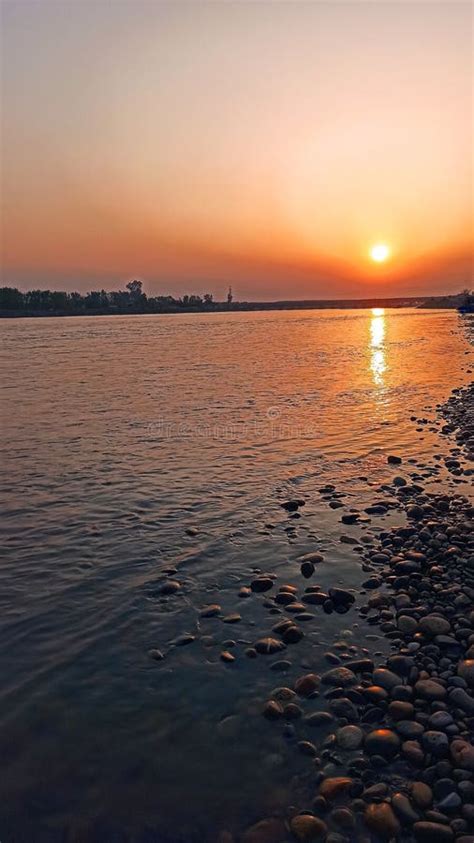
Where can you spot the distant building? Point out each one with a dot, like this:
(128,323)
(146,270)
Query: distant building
(229,296)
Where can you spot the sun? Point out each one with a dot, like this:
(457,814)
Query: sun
(380,252)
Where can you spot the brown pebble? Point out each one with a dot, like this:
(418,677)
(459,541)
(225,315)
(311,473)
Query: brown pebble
(380,818)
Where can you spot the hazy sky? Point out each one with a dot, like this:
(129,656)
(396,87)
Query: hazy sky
(266,144)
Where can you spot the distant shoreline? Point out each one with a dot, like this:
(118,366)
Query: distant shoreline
(430,302)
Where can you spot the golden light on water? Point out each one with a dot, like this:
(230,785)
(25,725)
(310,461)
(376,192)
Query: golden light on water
(380,252)
(377,346)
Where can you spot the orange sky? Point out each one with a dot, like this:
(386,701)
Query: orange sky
(264,144)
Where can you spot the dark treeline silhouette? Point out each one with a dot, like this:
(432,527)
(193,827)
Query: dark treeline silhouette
(133,300)
(130,300)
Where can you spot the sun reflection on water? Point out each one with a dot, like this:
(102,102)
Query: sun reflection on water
(377,346)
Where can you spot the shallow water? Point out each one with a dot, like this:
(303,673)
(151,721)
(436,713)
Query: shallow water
(120,433)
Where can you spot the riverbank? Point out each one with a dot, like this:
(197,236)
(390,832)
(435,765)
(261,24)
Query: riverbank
(398,761)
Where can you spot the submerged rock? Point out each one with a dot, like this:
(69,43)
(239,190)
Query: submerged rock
(307,828)
(267,646)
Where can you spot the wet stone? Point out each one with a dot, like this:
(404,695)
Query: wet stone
(261,584)
(267,646)
(339,676)
(422,794)
(292,635)
(271,830)
(382,742)
(430,831)
(307,828)
(334,787)
(466,671)
(185,639)
(434,625)
(409,729)
(349,737)
(307,569)
(428,689)
(170,587)
(272,710)
(280,666)
(307,684)
(381,819)
(283,694)
(292,712)
(462,754)
(307,748)
(385,678)
(313,558)
(156,655)
(435,742)
(210,611)
(404,809)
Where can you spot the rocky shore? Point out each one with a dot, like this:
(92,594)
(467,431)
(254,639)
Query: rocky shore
(398,762)
(388,741)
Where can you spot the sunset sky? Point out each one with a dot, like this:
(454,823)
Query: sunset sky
(265,144)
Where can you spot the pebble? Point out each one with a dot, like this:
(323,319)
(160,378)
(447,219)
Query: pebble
(462,700)
(307,828)
(293,634)
(210,611)
(349,737)
(462,754)
(267,646)
(307,748)
(434,625)
(382,742)
(307,684)
(466,671)
(385,678)
(234,617)
(156,655)
(281,665)
(339,676)
(313,558)
(430,690)
(409,729)
(170,587)
(381,819)
(407,624)
(422,794)
(272,710)
(335,786)
(283,694)
(271,830)
(307,569)
(430,832)
(184,639)
(404,809)
(435,742)
(261,584)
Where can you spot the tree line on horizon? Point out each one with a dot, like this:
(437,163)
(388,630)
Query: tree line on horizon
(13,302)
(130,300)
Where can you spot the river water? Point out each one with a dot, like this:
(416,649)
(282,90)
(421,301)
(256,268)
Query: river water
(138,445)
